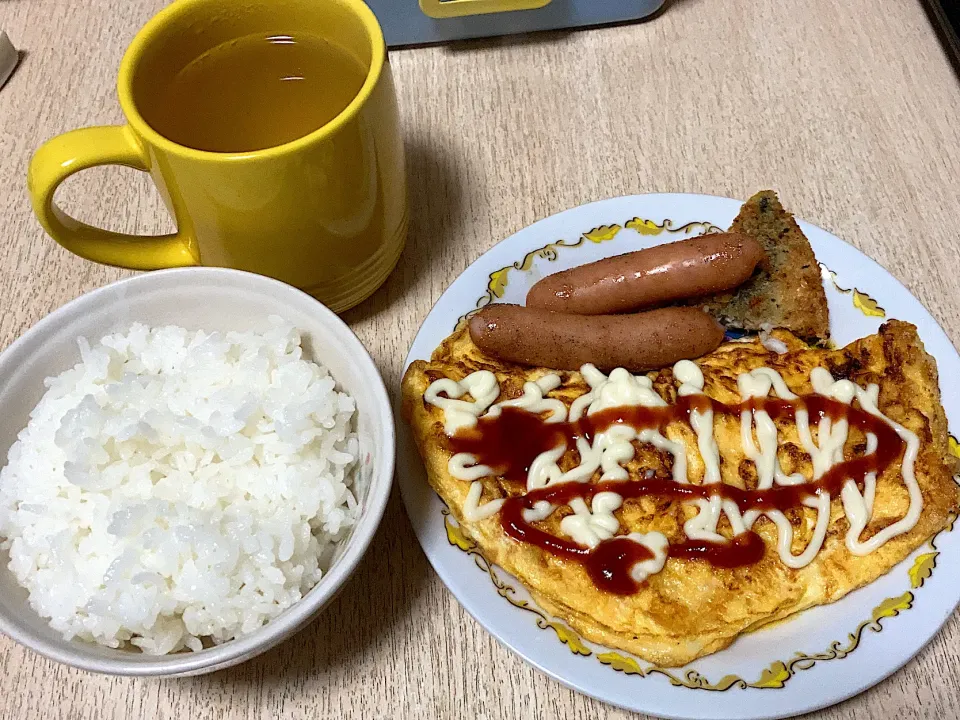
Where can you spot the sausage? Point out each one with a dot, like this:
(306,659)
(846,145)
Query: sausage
(656,276)
(562,341)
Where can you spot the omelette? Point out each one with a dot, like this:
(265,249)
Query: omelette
(665,514)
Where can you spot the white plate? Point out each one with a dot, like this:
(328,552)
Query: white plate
(820,657)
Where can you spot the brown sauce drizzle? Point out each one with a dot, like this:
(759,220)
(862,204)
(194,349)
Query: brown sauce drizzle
(510,442)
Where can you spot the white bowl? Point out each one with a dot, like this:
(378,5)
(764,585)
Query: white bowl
(209,299)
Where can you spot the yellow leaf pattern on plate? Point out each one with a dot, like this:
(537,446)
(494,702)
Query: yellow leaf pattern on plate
(867,305)
(891,607)
(773,677)
(604,232)
(569,638)
(644,227)
(498,281)
(626,665)
(922,568)
(954,446)
(725,683)
(456,537)
(695,681)
(861,301)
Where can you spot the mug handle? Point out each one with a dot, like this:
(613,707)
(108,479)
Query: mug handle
(66,154)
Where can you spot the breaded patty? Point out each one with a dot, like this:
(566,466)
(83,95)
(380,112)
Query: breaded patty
(785,290)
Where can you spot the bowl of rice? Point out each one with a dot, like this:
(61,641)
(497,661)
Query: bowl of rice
(194,461)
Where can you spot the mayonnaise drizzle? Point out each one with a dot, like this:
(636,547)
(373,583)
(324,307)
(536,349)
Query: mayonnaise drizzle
(589,525)
(703,525)
(656,543)
(462,414)
(613,448)
(482,386)
(473,510)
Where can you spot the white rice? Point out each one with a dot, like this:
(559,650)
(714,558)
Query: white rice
(179,486)
(771,343)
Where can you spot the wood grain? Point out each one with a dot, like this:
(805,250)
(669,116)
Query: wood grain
(848,109)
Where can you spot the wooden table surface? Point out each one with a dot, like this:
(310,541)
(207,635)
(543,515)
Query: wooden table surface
(848,109)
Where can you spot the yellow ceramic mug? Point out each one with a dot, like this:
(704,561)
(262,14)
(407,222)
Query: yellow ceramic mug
(326,212)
